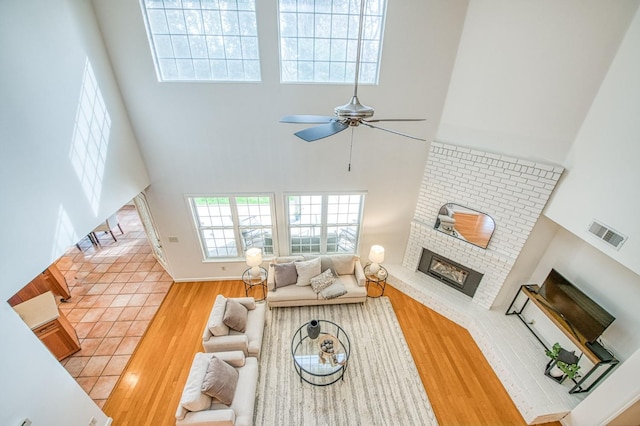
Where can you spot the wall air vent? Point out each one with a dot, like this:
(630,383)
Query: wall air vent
(606,234)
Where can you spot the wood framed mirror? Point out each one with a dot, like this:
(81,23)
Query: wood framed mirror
(465,224)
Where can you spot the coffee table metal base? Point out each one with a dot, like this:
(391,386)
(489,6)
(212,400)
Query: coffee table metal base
(312,365)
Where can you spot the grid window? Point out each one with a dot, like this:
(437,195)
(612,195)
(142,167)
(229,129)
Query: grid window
(319,39)
(203,40)
(324,223)
(228,226)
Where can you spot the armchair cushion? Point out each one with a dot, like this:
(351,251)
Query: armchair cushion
(220,381)
(192,397)
(215,323)
(235,316)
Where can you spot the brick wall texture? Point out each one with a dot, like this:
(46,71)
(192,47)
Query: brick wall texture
(512,191)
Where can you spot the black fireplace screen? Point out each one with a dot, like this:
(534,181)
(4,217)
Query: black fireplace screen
(449,272)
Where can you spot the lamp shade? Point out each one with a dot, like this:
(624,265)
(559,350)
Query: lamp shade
(376,254)
(254,256)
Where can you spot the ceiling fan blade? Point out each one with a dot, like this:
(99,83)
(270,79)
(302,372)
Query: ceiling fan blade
(395,119)
(307,119)
(393,131)
(319,132)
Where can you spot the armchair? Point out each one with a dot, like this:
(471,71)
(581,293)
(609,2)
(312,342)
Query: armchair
(197,408)
(218,337)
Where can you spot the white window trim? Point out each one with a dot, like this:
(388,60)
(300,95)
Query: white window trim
(323,221)
(236,226)
(347,81)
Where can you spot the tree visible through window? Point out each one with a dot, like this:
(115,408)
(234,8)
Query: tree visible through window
(228,226)
(324,223)
(319,39)
(206,40)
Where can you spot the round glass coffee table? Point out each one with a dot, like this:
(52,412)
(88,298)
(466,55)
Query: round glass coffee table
(321,361)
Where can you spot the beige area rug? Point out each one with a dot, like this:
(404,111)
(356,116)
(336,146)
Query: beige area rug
(381,385)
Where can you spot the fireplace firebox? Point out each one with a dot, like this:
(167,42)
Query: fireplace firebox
(453,274)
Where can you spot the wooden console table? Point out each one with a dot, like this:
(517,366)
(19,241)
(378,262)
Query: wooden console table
(603,361)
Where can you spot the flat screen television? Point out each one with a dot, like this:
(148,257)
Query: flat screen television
(580,312)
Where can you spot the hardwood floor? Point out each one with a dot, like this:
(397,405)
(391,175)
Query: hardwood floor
(461,385)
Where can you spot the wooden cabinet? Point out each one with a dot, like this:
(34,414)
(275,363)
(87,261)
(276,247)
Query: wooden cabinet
(51,326)
(59,337)
(49,280)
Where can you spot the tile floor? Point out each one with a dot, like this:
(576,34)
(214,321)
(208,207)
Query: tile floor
(116,289)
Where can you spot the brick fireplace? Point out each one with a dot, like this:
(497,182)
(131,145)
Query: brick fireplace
(512,191)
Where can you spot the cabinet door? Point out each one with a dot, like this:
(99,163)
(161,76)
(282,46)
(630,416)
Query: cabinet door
(58,339)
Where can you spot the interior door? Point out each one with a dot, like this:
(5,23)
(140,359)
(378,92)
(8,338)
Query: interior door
(142,206)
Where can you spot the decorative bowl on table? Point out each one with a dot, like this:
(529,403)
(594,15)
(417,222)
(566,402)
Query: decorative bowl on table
(329,348)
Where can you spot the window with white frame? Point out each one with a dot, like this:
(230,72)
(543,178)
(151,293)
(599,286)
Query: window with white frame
(203,40)
(229,225)
(324,223)
(319,39)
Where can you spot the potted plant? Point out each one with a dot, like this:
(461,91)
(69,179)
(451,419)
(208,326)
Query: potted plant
(563,363)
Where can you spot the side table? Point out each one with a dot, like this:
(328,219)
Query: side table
(250,281)
(379,280)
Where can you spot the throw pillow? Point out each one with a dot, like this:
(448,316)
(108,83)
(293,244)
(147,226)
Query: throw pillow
(322,281)
(235,316)
(307,270)
(192,397)
(336,289)
(327,263)
(220,381)
(285,274)
(344,263)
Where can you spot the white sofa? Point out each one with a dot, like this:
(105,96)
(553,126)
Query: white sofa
(350,273)
(212,412)
(217,337)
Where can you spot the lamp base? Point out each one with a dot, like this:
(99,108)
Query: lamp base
(255,271)
(374,268)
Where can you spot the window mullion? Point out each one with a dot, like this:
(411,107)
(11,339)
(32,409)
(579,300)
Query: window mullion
(236,225)
(323,224)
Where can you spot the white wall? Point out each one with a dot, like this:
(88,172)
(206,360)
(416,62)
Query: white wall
(610,284)
(603,173)
(209,138)
(45,46)
(614,394)
(526,73)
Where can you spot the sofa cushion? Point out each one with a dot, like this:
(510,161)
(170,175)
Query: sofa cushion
(336,289)
(216,325)
(292,293)
(306,270)
(285,274)
(344,264)
(220,381)
(327,263)
(235,316)
(192,397)
(322,281)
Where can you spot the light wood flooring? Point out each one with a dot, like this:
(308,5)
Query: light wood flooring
(461,385)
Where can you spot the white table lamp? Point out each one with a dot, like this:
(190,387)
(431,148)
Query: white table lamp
(254,259)
(376,256)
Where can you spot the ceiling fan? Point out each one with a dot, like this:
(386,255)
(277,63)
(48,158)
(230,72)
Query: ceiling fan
(352,114)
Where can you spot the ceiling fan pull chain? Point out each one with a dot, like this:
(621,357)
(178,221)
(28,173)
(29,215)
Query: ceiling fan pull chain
(350,150)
